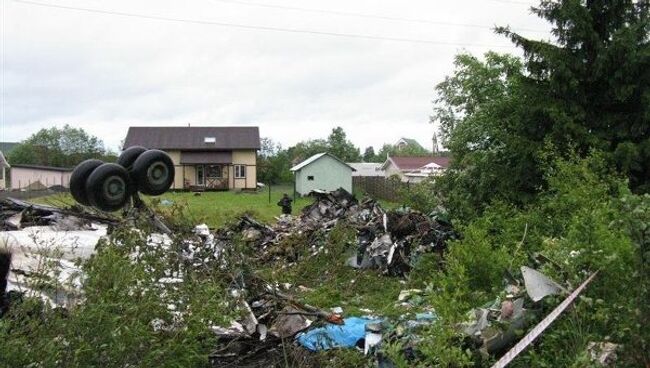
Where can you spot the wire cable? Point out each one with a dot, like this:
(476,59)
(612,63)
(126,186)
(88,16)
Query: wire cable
(259,28)
(368,16)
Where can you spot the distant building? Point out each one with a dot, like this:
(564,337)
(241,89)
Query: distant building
(217,158)
(4,165)
(35,177)
(365,169)
(322,171)
(404,143)
(415,168)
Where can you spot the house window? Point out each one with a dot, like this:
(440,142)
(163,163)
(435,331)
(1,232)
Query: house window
(240,171)
(213,171)
(210,140)
(310,178)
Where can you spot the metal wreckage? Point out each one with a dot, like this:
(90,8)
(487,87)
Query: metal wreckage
(271,315)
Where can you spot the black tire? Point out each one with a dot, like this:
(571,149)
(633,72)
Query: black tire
(109,187)
(78,180)
(129,155)
(153,172)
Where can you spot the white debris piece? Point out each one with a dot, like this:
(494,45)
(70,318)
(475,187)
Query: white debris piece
(43,249)
(539,285)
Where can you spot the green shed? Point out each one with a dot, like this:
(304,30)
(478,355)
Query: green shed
(322,171)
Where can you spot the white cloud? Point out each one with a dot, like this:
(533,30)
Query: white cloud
(107,72)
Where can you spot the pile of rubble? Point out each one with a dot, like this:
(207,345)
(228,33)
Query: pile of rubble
(390,241)
(271,316)
(16,214)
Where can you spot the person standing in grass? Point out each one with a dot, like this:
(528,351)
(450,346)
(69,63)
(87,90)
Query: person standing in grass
(285,203)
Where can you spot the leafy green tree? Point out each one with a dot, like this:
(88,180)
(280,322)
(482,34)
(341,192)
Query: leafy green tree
(341,147)
(336,144)
(409,150)
(588,90)
(369,155)
(592,85)
(479,108)
(303,150)
(62,147)
(273,163)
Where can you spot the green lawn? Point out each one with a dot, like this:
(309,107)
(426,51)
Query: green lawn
(217,208)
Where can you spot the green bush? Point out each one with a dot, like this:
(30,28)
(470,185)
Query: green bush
(115,325)
(585,222)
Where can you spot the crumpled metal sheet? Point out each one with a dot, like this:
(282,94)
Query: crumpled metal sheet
(289,322)
(538,285)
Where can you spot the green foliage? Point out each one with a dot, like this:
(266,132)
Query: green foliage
(409,150)
(339,145)
(336,143)
(124,301)
(369,155)
(586,221)
(588,90)
(60,147)
(420,196)
(592,89)
(479,109)
(273,163)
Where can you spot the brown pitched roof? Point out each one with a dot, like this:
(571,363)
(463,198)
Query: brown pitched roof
(415,162)
(193,138)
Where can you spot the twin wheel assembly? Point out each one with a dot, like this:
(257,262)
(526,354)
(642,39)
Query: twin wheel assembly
(109,186)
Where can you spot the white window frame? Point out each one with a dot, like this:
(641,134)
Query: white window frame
(240,171)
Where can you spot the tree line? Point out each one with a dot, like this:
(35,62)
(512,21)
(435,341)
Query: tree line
(68,146)
(504,118)
(274,161)
(60,147)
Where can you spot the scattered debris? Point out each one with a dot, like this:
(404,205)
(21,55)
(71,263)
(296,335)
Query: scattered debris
(352,333)
(603,353)
(270,315)
(390,241)
(16,214)
(541,326)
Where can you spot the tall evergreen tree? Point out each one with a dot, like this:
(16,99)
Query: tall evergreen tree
(369,154)
(591,88)
(588,90)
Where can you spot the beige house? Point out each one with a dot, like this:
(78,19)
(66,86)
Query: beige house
(4,165)
(211,158)
(34,177)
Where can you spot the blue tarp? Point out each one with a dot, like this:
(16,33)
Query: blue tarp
(335,336)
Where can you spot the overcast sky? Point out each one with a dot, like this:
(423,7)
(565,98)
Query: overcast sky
(105,72)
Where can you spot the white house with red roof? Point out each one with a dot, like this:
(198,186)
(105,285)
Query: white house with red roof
(415,168)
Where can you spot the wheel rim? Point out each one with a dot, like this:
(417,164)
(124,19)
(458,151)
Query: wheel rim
(114,188)
(157,173)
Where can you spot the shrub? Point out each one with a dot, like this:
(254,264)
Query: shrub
(586,221)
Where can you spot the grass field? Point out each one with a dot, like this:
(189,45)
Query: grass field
(218,208)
